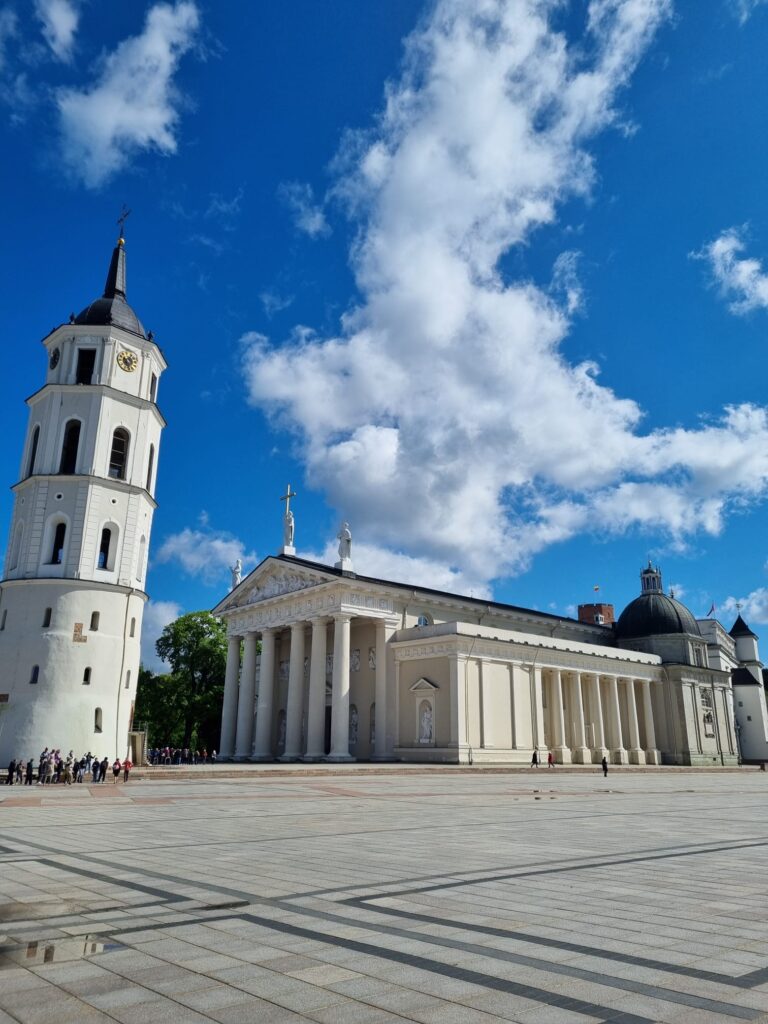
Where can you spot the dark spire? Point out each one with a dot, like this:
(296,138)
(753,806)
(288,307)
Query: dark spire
(740,628)
(115,286)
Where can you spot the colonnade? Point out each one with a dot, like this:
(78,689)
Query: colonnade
(248,717)
(585,719)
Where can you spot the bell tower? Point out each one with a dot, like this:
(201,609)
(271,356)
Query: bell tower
(72,594)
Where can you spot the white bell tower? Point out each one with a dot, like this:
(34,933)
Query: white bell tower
(72,594)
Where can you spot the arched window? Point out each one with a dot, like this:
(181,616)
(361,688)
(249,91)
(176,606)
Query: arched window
(150,467)
(69,448)
(707,705)
(424,620)
(16,550)
(57,549)
(142,556)
(118,457)
(2,621)
(35,674)
(152,388)
(87,677)
(133,627)
(33,450)
(104,546)
(95,622)
(97,720)
(128,679)
(47,617)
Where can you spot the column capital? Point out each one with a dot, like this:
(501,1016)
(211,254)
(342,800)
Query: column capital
(318,620)
(300,624)
(343,616)
(235,636)
(268,630)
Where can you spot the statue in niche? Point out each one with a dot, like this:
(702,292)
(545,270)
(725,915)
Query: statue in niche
(283,670)
(353,723)
(372,736)
(345,542)
(371,657)
(288,529)
(425,722)
(329,664)
(237,573)
(354,660)
(281,733)
(306,666)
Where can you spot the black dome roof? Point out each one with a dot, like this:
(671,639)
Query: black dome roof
(655,614)
(112,307)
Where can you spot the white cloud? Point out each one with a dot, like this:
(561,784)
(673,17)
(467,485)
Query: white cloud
(204,553)
(8,28)
(740,278)
(157,615)
(753,607)
(133,106)
(744,9)
(308,216)
(444,419)
(273,302)
(59,19)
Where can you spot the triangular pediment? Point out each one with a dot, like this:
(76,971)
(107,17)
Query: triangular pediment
(423,686)
(272,578)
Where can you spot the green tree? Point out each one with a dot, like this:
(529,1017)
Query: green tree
(184,707)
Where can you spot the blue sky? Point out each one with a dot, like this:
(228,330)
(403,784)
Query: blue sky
(489,278)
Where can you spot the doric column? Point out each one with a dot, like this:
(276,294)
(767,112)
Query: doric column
(316,706)
(340,690)
(295,702)
(599,751)
(652,755)
(618,753)
(562,753)
(581,751)
(384,631)
(245,703)
(636,753)
(536,678)
(262,747)
(229,706)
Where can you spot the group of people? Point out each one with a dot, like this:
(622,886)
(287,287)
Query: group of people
(53,767)
(551,762)
(179,755)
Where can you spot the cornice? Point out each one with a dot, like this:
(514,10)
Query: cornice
(102,389)
(89,478)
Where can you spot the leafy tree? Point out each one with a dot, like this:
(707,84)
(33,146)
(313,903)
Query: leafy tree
(184,707)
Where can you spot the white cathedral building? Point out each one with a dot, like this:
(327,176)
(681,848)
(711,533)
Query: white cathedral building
(353,667)
(72,595)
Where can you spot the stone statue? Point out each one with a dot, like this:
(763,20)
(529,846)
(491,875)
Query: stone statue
(353,723)
(288,529)
(354,660)
(237,573)
(345,542)
(371,657)
(425,736)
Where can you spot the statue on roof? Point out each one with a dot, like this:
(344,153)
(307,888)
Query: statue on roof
(237,574)
(345,542)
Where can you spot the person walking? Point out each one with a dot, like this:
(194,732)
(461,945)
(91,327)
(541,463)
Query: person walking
(127,765)
(103,771)
(550,760)
(29,776)
(535,760)
(95,769)
(605,767)
(116,766)
(19,772)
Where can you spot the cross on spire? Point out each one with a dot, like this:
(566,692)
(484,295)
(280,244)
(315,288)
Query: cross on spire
(125,213)
(287,498)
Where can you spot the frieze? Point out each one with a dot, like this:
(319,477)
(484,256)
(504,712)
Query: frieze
(280,583)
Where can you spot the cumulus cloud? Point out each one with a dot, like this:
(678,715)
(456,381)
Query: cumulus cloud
(741,279)
(443,418)
(157,615)
(308,216)
(133,105)
(8,29)
(744,9)
(753,607)
(204,552)
(59,20)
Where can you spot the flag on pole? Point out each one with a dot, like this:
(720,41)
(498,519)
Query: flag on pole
(596,587)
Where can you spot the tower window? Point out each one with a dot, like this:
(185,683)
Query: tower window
(95,622)
(423,620)
(142,556)
(150,467)
(2,621)
(87,677)
(33,450)
(106,537)
(35,674)
(86,361)
(69,448)
(97,717)
(16,550)
(47,618)
(153,388)
(128,679)
(133,627)
(57,551)
(118,459)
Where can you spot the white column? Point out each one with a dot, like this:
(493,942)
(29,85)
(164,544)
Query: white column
(229,707)
(340,688)
(636,753)
(652,755)
(459,740)
(384,631)
(295,702)
(316,707)
(245,703)
(600,751)
(262,747)
(562,753)
(581,751)
(537,725)
(618,753)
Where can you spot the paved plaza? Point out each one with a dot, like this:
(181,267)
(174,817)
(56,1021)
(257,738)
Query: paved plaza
(354,897)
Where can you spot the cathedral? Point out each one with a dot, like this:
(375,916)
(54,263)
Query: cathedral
(72,594)
(325,664)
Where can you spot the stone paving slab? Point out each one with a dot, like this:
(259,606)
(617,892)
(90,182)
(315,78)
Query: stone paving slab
(378,894)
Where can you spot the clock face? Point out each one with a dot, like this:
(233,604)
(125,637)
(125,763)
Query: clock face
(53,362)
(127,361)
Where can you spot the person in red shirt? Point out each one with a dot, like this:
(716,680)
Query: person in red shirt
(127,765)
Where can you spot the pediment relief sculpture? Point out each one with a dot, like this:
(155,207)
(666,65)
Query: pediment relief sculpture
(280,583)
(423,686)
